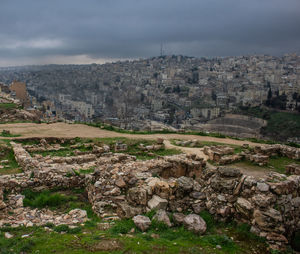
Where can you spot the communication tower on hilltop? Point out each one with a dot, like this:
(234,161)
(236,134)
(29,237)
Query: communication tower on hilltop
(161,49)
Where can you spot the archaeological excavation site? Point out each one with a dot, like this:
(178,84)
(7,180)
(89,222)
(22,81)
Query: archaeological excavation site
(121,195)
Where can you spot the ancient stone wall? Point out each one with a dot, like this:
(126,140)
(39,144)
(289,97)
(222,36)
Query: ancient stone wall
(121,186)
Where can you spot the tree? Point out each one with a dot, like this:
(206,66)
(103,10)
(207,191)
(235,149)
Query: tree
(213,95)
(269,94)
(295,96)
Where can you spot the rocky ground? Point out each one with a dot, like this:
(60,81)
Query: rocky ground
(144,193)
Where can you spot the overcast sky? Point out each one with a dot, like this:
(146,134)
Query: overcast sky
(87,31)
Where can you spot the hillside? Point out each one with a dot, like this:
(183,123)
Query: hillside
(177,91)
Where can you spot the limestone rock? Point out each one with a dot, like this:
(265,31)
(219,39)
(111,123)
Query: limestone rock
(178,218)
(8,235)
(126,211)
(137,196)
(229,172)
(185,183)
(157,203)
(142,222)
(244,207)
(78,213)
(194,223)
(120,182)
(263,187)
(162,216)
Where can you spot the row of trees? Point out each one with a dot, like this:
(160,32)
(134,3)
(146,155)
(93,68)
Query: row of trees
(279,101)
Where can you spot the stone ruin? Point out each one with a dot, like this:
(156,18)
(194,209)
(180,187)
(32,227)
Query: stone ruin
(123,187)
(260,155)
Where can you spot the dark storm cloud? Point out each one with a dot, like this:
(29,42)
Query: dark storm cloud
(34,29)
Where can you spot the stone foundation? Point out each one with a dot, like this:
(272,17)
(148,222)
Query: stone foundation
(121,186)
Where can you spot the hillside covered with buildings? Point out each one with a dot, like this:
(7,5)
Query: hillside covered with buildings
(204,94)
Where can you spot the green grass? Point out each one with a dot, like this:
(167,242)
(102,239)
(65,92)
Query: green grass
(60,153)
(158,239)
(276,164)
(279,163)
(66,151)
(8,105)
(122,227)
(45,199)
(87,171)
(283,125)
(11,167)
(60,200)
(8,135)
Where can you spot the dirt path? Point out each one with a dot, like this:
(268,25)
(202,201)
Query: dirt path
(29,130)
(187,150)
(63,130)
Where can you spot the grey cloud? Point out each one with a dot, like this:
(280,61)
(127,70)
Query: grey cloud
(135,28)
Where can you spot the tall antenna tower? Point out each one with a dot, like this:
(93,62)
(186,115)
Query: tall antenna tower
(161,49)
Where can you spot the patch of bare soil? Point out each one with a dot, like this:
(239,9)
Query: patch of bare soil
(29,130)
(251,170)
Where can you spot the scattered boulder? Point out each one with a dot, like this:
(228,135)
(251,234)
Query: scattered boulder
(178,218)
(142,222)
(126,211)
(8,235)
(162,216)
(194,223)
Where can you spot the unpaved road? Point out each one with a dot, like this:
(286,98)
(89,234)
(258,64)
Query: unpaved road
(63,130)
